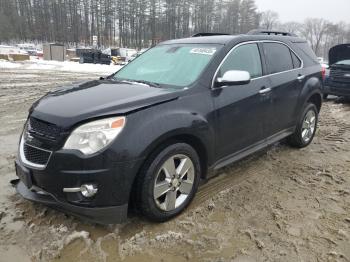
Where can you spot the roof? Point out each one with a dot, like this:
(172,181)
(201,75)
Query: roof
(219,39)
(226,39)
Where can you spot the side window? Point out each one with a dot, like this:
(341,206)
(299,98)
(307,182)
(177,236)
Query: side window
(244,58)
(278,58)
(296,60)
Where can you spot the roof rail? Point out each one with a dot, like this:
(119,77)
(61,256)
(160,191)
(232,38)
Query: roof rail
(268,32)
(208,34)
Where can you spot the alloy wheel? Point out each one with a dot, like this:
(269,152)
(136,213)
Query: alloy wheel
(174,182)
(309,126)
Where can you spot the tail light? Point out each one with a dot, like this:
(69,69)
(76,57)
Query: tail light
(323,71)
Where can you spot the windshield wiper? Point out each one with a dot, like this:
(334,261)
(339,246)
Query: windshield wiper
(119,81)
(132,81)
(153,84)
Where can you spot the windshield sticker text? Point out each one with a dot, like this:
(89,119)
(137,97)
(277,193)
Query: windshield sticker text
(203,51)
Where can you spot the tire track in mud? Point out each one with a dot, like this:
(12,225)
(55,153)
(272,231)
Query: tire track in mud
(342,129)
(228,178)
(339,135)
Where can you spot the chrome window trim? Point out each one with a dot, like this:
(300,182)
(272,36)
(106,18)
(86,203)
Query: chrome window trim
(260,77)
(28,163)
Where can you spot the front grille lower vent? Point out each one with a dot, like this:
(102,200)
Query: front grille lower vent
(36,155)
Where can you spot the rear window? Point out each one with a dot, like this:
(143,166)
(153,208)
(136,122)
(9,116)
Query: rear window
(278,58)
(307,54)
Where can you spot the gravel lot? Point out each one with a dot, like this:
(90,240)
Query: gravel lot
(281,204)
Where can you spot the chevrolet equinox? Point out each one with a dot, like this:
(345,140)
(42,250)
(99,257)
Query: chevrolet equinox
(148,134)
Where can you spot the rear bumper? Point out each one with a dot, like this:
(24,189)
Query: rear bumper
(101,215)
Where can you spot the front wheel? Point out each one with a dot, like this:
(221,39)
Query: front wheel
(306,128)
(168,182)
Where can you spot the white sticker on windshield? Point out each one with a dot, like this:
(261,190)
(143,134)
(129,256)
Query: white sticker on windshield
(203,51)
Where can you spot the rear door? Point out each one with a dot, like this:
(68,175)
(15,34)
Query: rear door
(241,109)
(286,79)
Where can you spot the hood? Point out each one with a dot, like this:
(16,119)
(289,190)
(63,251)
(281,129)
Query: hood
(76,103)
(339,53)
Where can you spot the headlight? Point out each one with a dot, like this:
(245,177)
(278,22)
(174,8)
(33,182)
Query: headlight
(94,136)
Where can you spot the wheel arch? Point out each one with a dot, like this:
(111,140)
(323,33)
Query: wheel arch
(316,99)
(312,92)
(161,143)
(191,139)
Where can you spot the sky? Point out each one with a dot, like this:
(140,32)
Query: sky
(297,10)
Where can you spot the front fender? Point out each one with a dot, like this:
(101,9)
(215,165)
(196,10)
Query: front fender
(162,128)
(190,115)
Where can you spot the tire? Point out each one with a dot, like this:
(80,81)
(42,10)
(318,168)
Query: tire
(300,139)
(156,176)
(325,96)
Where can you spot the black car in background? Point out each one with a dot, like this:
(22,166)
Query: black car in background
(92,56)
(149,133)
(337,82)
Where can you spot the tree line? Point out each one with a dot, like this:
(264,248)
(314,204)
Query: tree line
(143,23)
(320,33)
(125,23)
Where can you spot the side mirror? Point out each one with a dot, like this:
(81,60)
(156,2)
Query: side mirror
(233,77)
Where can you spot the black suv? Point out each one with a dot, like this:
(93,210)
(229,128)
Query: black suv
(337,82)
(149,133)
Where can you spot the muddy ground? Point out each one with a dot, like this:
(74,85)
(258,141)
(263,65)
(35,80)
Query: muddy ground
(281,204)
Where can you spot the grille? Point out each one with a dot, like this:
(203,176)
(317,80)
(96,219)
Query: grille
(36,155)
(339,74)
(44,129)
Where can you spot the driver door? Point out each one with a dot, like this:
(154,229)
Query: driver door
(241,110)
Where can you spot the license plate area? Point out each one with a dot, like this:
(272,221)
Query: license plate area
(24,175)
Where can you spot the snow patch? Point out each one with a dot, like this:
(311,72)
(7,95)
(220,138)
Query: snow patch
(6,64)
(65,66)
(77,235)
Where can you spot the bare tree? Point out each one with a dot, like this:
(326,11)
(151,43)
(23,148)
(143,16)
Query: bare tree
(291,27)
(269,20)
(314,30)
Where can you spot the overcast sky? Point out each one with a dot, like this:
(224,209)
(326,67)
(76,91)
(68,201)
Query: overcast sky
(298,10)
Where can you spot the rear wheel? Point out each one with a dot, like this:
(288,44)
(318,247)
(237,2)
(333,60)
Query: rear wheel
(325,96)
(168,182)
(306,128)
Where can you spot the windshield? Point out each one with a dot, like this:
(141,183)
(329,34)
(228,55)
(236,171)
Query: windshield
(174,65)
(343,62)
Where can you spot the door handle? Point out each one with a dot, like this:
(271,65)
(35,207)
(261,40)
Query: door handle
(301,77)
(265,90)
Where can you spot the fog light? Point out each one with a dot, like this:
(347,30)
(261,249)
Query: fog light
(88,190)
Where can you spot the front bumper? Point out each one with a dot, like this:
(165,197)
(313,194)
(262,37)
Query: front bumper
(100,215)
(70,170)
